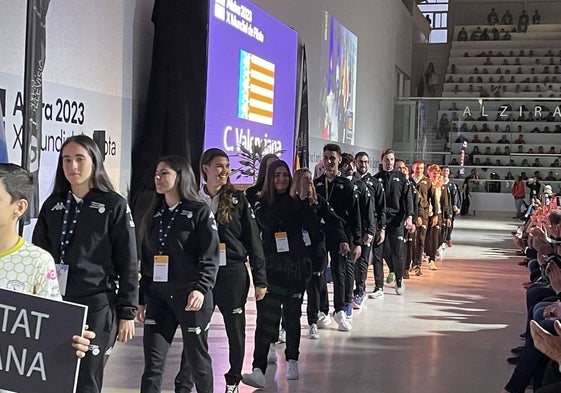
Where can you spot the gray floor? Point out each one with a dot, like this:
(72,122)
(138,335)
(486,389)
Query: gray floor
(450,332)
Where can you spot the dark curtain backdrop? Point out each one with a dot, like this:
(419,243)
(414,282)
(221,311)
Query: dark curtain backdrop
(174,118)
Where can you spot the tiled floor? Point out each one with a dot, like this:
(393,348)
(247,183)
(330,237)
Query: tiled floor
(450,332)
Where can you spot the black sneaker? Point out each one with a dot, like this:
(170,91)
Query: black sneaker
(513,360)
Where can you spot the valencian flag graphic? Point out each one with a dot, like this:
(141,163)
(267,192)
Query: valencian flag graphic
(35,41)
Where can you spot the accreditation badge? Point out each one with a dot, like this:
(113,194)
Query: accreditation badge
(222,248)
(161,268)
(281,238)
(62,277)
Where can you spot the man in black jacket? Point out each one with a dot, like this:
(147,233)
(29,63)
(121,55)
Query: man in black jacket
(374,237)
(399,216)
(343,198)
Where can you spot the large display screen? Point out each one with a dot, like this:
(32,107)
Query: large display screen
(251,82)
(339,50)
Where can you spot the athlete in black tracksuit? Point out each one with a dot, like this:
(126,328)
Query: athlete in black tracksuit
(242,239)
(399,208)
(102,268)
(287,272)
(192,247)
(374,225)
(334,234)
(343,198)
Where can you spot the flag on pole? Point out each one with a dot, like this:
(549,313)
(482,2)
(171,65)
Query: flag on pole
(35,42)
(302,138)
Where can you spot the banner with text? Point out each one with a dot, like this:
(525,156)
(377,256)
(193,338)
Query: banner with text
(36,353)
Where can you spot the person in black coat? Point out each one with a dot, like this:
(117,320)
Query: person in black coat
(179,264)
(88,229)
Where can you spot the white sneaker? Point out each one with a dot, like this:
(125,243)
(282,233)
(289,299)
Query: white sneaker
(292,369)
(400,288)
(255,379)
(232,389)
(313,333)
(377,294)
(323,320)
(282,336)
(344,324)
(272,355)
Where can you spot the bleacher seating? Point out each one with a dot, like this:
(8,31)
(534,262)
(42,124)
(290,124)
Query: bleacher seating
(520,80)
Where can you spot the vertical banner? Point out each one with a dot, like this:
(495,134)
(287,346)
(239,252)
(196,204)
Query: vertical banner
(302,138)
(35,42)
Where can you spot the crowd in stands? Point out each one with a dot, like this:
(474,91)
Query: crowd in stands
(539,241)
(503,33)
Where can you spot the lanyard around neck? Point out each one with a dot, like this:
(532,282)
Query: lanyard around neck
(68,228)
(164,232)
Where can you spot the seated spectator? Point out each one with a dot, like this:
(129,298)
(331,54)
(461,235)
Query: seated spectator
(474,36)
(517,90)
(536,18)
(487,162)
(455,116)
(512,79)
(503,139)
(487,140)
(470,79)
(512,163)
(520,149)
(545,70)
(530,151)
(493,17)
(488,61)
(520,140)
(546,128)
(498,162)
(498,151)
(453,69)
(509,174)
(507,151)
(484,70)
(507,18)
(476,139)
(497,128)
(488,151)
(475,70)
(453,107)
(464,127)
(550,176)
(523,22)
(555,163)
(519,70)
(537,163)
(477,161)
(552,150)
(502,80)
(483,92)
(532,71)
(525,162)
(479,79)
(549,53)
(540,150)
(527,89)
(535,130)
(449,79)
(461,139)
(462,35)
(485,35)
(456,89)
(557,129)
(454,162)
(468,117)
(495,34)
(466,54)
(522,53)
(485,128)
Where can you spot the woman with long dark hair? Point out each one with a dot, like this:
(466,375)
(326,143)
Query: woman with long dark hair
(88,229)
(179,263)
(289,232)
(254,192)
(239,239)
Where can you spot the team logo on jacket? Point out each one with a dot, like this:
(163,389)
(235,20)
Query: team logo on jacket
(100,207)
(187,213)
(235,201)
(396,178)
(58,206)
